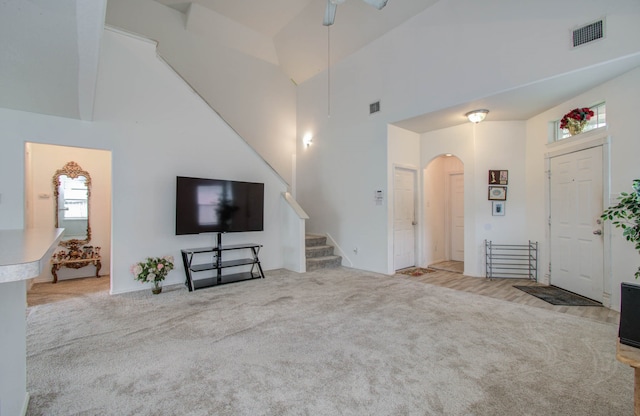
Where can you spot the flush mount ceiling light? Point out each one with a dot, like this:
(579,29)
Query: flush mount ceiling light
(476,116)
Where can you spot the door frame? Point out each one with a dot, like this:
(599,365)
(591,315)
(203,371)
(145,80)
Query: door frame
(567,146)
(417,193)
(447,211)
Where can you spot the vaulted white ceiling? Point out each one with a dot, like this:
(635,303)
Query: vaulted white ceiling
(50,48)
(294,27)
(50,51)
(49,55)
(266,17)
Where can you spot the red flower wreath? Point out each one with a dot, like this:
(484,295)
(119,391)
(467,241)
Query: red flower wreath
(577,115)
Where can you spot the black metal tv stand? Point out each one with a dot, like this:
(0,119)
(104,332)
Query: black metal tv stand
(216,265)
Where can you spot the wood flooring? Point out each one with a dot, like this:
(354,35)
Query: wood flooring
(503,289)
(47,292)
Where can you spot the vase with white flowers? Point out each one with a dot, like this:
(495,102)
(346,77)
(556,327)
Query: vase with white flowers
(153,270)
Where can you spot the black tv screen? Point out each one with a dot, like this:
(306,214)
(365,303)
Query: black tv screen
(216,205)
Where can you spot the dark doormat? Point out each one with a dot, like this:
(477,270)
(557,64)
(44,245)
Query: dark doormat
(556,296)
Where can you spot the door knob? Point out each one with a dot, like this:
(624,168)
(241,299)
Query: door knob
(598,232)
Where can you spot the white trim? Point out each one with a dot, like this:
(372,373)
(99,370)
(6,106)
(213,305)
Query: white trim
(337,250)
(295,206)
(25,405)
(133,35)
(448,253)
(577,140)
(417,232)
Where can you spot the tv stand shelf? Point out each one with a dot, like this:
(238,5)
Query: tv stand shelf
(217,265)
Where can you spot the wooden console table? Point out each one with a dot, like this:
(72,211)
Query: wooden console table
(630,355)
(74,264)
(76,258)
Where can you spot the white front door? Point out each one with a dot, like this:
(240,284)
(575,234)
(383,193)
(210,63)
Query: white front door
(456,216)
(577,246)
(404,218)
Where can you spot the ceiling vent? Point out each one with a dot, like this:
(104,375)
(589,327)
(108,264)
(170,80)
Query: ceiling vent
(588,33)
(374,107)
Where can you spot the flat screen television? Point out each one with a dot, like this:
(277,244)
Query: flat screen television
(218,206)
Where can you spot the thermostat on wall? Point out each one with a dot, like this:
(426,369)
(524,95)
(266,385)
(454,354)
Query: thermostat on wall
(378,197)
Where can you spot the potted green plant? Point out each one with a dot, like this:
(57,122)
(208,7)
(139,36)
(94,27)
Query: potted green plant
(626,215)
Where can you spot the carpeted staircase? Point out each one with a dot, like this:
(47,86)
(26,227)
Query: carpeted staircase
(320,255)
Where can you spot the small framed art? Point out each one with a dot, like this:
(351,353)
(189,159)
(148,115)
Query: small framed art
(497,208)
(497,193)
(498,177)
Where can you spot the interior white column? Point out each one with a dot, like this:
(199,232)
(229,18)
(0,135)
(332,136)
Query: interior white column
(23,255)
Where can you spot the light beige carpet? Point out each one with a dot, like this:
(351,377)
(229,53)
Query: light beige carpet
(341,342)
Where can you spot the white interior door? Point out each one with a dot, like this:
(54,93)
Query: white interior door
(404,218)
(577,246)
(456,216)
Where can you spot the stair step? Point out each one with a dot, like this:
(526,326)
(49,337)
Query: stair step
(326,262)
(311,240)
(319,251)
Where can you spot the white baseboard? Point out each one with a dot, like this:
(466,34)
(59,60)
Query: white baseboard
(346,261)
(25,405)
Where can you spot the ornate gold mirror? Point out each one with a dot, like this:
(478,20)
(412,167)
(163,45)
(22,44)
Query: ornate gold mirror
(72,190)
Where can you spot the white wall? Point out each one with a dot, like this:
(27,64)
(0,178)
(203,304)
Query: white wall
(42,163)
(253,95)
(427,64)
(156,129)
(622,96)
(293,233)
(337,177)
(480,148)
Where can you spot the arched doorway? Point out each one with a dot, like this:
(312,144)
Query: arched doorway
(444,213)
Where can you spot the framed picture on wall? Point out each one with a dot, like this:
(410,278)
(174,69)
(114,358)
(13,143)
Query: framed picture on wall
(497,193)
(497,208)
(498,177)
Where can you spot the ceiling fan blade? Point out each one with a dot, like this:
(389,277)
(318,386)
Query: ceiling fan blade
(378,4)
(329,13)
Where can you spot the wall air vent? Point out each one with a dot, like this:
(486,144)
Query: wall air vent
(374,107)
(588,33)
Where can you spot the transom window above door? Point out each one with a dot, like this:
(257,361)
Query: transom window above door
(598,120)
